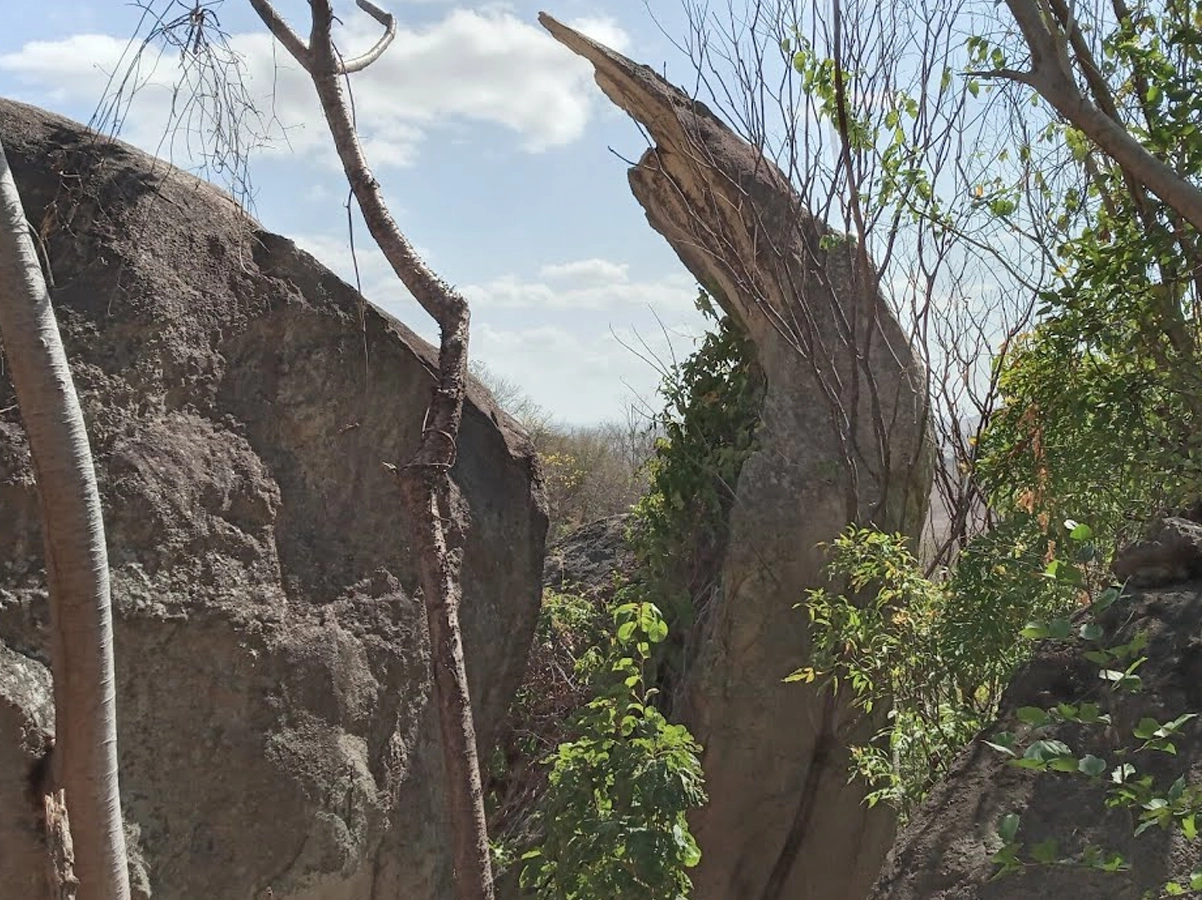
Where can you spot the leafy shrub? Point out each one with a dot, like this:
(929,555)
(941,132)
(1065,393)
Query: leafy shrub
(679,528)
(569,650)
(1122,744)
(937,653)
(619,792)
(611,814)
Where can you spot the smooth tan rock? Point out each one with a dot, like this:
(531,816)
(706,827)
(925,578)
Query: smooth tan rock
(844,439)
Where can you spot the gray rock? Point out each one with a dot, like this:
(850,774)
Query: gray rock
(26,729)
(591,560)
(275,718)
(1170,552)
(945,852)
(844,439)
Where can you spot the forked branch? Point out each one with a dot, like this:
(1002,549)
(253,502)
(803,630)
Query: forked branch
(296,48)
(1051,74)
(438,523)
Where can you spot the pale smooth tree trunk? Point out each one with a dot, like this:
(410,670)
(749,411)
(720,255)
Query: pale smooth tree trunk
(85,752)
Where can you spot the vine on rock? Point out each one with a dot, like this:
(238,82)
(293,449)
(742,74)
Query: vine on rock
(680,527)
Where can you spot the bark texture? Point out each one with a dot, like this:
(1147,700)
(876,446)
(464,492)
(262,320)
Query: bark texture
(438,522)
(85,756)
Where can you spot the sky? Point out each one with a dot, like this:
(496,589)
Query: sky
(501,160)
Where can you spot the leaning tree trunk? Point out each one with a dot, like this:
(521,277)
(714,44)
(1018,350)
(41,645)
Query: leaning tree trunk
(85,753)
(437,519)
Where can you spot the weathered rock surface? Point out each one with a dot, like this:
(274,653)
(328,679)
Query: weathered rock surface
(276,727)
(588,560)
(945,851)
(26,724)
(843,439)
(1169,552)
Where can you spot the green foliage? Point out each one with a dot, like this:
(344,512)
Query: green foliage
(612,813)
(712,407)
(1099,398)
(938,654)
(619,792)
(1086,427)
(1170,804)
(567,655)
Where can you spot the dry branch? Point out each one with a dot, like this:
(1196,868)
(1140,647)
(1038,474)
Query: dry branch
(438,521)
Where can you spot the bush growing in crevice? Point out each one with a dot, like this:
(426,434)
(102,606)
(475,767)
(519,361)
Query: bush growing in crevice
(680,527)
(592,782)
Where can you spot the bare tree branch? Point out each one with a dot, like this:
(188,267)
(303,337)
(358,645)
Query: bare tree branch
(438,520)
(389,22)
(282,32)
(1052,76)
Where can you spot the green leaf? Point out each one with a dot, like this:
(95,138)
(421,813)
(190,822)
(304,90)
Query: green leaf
(1047,750)
(1078,531)
(1091,765)
(1007,828)
(1122,774)
(1046,852)
(1033,715)
(1146,728)
(1106,599)
(1060,628)
(1091,631)
(1176,789)
(1000,748)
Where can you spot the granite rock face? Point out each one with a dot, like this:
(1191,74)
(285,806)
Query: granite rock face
(946,850)
(844,438)
(276,727)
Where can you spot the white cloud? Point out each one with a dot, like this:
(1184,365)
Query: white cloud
(602,30)
(591,284)
(583,368)
(582,378)
(594,270)
(484,66)
(579,285)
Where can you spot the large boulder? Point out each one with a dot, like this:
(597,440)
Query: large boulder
(946,850)
(844,439)
(274,695)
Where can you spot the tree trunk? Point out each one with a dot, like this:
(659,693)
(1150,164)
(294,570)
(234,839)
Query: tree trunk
(1051,75)
(437,521)
(85,754)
